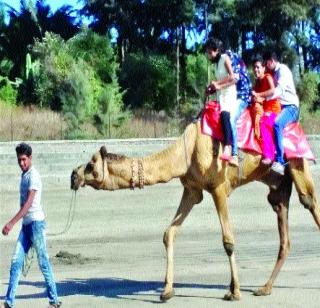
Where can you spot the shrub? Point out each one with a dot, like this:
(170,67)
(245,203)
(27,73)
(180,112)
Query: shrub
(197,78)
(79,78)
(308,91)
(8,93)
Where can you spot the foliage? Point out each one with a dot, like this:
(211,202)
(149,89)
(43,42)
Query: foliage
(309,91)
(78,77)
(8,93)
(29,24)
(54,64)
(148,81)
(139,24)
(97,51)
(197,78)
(26,90)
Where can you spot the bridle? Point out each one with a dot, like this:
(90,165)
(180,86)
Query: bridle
(137,174)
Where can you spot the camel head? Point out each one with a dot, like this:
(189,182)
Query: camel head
(96,172)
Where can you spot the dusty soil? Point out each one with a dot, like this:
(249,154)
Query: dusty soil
(113,253)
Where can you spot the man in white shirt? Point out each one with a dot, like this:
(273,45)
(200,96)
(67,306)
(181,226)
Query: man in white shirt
(286,91)
(32,231)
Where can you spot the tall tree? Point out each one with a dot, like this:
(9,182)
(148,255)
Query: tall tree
(278,24)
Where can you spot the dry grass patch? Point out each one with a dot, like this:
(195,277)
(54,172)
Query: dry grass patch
(29,123)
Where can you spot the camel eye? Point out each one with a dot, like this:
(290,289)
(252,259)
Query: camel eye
(89,167)
(95,174)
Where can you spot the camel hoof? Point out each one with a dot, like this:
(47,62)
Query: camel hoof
(165,296)
(232,297)
(262,292)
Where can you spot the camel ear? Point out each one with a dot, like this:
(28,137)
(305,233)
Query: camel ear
(103,152)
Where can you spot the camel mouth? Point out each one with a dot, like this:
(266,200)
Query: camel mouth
(75,181)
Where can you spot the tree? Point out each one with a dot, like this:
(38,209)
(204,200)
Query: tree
(279,25)
(148,81)
(78,77)
(29,24)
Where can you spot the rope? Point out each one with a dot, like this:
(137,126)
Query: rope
(70,218)
(29,257)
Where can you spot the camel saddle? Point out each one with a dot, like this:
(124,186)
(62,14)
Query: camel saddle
(294,139)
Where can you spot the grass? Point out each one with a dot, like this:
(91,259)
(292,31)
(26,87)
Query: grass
(30,123)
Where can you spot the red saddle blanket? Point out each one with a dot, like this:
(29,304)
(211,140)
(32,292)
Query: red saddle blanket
(294,139)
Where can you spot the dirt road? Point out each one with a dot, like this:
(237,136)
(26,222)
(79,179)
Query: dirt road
(118,259)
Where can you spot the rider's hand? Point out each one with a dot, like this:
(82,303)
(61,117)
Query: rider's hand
(210,89)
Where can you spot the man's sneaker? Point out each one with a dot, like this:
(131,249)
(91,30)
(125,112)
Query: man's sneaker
(4,305)
(277,167)
(266,161)
(57,305)
(233,161)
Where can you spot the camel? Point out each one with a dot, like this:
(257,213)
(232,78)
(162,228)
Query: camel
(194,158)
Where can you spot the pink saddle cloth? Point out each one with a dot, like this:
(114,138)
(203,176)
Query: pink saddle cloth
(294,139)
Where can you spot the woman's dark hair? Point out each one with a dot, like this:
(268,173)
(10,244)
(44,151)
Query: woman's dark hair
(215,44)
(258,58)
(24,149)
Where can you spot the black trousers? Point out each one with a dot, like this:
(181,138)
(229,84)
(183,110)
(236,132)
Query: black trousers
(226,127)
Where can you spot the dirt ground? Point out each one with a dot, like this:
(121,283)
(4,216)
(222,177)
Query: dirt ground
(115,256)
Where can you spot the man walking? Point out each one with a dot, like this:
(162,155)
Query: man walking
(32,233)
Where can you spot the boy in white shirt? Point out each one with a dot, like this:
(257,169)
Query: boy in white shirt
(32,233)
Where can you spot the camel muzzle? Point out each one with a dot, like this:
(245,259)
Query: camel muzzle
(75,181)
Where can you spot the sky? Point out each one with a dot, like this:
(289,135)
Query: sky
(54,4)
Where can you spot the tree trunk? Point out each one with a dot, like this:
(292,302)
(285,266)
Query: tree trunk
(178,70)
(183,65)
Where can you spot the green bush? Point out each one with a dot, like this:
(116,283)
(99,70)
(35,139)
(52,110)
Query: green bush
(8,93)
(79,77)
(197,79)
(308,91)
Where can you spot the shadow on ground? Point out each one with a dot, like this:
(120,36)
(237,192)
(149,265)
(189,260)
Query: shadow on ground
(123,288)
(110,287)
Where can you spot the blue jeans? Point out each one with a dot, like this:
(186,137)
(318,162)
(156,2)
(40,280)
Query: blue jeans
(32,234)
(288,114)
(242,105)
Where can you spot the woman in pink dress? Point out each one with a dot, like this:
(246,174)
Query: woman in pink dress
(265,109)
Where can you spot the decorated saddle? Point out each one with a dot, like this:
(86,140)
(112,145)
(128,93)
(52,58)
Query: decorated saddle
(294,139)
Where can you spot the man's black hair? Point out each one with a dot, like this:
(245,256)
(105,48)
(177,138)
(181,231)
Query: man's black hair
(270,55)
(215,44)
(24,149)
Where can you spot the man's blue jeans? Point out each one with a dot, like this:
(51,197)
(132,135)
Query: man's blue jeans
(32,234)
(288,114)
(234,116)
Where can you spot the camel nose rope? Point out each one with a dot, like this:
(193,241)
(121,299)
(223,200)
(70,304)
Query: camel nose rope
(71,214)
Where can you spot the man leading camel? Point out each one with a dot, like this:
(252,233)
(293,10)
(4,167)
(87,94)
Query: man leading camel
(32,231)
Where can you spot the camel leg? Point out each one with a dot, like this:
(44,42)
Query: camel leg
(304,184)
(279,200)
(190,197)
(220,200)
